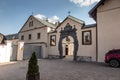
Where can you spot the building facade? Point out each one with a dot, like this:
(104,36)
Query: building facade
(8,47)
(87,42)
(72,37)
(33,37)
(107,16)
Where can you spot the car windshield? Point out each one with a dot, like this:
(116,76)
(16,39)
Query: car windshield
(114,51)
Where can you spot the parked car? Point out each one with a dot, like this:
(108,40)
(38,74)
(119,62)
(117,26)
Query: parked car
(113,57)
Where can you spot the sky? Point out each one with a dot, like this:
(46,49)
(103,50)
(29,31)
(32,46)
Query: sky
(14,13)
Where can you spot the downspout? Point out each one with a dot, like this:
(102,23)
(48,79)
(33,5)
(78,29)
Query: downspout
(96,39)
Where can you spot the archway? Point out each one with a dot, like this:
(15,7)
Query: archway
(68,31)
(68,46)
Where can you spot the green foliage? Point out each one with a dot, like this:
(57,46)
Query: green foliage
(32,66)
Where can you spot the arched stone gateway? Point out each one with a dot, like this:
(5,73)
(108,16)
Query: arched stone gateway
(68,31)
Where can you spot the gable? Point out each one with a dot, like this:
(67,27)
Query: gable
(71,20)
(36,24)
(109,5)
(93,11)
(46,22)
(104,5)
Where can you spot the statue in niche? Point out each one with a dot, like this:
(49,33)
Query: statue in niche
(53,40)
(67,39)
(87,39)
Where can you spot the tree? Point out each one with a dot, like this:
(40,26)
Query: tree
(33,68)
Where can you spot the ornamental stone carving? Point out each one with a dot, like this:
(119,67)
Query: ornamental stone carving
(68,31)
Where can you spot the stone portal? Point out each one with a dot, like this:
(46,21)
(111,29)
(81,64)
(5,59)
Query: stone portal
(68,31)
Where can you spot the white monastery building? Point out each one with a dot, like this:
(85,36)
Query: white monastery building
(71,37)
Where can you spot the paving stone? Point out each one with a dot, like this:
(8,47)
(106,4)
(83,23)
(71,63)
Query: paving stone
(57,69)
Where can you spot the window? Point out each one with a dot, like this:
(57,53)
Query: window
(22,37)
(29,36)
(38,35)
(52,40)
(30,23)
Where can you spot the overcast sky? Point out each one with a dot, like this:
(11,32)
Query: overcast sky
(14,13)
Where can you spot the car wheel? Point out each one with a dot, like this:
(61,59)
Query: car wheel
(114,63)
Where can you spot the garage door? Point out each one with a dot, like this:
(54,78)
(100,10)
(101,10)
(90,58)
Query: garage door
(38,50)
(29,49)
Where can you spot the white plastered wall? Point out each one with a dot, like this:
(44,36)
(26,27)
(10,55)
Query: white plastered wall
(108,22)
(5,52)
(88,50)
(20,50)
(34,30)
(83,50)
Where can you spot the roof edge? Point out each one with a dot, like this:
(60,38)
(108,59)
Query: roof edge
(69,16)
(25,23)
(92,12)
(89,26)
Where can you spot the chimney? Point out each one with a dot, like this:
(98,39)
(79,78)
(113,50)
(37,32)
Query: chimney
(57,23)
(47,20)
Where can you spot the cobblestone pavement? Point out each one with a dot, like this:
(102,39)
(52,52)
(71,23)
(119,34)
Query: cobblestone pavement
(61,70)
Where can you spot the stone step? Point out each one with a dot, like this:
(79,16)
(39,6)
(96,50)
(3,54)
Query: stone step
(69,57)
